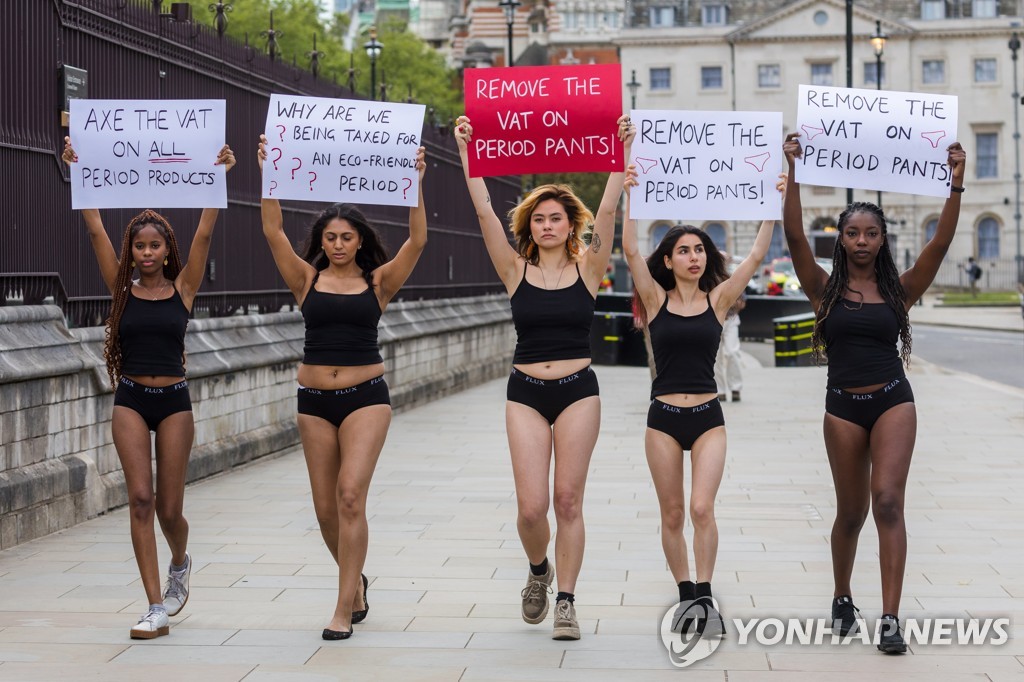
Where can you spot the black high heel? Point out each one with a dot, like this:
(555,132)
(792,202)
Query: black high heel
(360,616)
(336,634)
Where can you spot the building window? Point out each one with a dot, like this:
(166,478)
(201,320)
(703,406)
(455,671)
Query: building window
(717,233)
(987,164)
(769,76)
(711,77)
(590,20)
(777,246)
(933,9)
(611,19)
(821,74)
(984,70)
(988,238)
(929,229)
(984,9)
(662,16)
(661,79)
(933,71)
(713,15)
(658,233)
(820,18)
(570,20)
(870,73)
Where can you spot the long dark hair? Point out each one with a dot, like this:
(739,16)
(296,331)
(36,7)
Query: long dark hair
(123,283)
(714,272)
(576,212)
(369,257)
(886,274)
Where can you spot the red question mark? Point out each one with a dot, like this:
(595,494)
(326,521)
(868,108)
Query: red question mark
(273,186)
(295,158)
(282,132)
(311,180)
(279,155)
(404,189)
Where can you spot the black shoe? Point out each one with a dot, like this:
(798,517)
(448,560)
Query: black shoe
(890,640)
(360,616)
(336,634)
(844,615)
(735,396)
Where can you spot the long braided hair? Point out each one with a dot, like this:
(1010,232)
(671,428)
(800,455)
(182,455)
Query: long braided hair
(576,212)
(714,271)
(886,274)
(123,284)
(369,257)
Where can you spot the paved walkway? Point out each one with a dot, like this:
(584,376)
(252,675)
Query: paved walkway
(446,565)
(1007,318)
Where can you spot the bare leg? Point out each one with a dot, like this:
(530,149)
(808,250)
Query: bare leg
(892,446)
(529,443)
(708,464)
(173,446)
(323,462)
(575,434)
(847,447)
(131,440)
(665,460)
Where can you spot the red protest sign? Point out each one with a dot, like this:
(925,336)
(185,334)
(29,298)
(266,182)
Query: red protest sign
(544,119)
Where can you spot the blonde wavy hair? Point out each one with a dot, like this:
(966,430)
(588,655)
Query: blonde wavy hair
(578,215)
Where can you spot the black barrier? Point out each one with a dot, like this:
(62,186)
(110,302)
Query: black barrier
(756,319)
(793,340)
(613,338)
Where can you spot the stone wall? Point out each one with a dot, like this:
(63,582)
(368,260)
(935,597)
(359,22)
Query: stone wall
(58,465)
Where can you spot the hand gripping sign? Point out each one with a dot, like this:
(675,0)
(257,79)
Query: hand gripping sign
(321,149)
(147,153)
(705,165)
(876,139)
(544,119)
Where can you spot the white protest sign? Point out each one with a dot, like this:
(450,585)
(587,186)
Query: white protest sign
(321,149)
(147,153)
(876,139)
(706,165)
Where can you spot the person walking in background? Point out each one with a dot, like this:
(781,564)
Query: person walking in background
(683,293)
(342,283)
(870,421)
(728,364)
(145,356)
(552,279)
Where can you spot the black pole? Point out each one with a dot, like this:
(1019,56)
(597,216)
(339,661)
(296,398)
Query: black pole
(510,41)
(373,78)
(878,86)
(849,67)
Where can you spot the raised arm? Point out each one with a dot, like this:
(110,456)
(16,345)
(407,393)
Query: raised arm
(392,275)
(651,293)
(811,275)
(595,260)
(191,275)
(503,256)
(297,273)
(726,293)
(106,257)
(919,277)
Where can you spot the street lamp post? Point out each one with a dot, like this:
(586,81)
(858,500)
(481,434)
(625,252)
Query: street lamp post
(633,86)
(849,68)
(1017,101)
(878,42)
(510,16)
(373,49)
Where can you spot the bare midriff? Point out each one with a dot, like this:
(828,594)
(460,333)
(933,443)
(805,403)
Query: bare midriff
(326,377)
(686,399)
(153,381)
(556,369)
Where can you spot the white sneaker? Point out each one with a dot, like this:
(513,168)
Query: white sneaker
(153,624)
(176,589)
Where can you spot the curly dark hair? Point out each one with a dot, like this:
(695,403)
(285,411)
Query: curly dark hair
(370,257)
(888,277)
(714,273)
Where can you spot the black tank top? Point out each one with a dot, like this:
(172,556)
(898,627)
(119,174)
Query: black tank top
(341,329)
(552,324)
(152,336)
(685,348)
(860,343)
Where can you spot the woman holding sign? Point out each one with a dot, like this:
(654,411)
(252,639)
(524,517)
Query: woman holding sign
(552,280)
(870,418)
(683,293)
(343,282)
(145,354)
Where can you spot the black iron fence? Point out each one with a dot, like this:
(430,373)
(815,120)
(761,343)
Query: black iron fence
(130,53)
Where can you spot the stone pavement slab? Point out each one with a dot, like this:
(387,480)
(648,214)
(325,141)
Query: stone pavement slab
(446,567)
